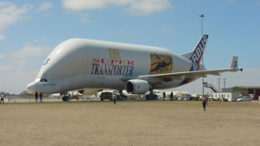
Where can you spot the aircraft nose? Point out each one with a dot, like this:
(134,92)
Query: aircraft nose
(31,87)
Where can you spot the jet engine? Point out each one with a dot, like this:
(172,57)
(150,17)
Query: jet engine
(137,86)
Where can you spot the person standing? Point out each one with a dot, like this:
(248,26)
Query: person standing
(2,98)
(40,96)
(114,98)
(171,96)
(204,102)
(164,96)
(36,96)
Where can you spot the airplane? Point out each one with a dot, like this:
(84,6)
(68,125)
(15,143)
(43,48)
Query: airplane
(91,65)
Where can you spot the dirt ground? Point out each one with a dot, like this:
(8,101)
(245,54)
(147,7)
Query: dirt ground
(130,123)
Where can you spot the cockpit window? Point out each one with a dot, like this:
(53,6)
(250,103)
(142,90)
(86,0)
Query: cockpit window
(46,61)
(43,80)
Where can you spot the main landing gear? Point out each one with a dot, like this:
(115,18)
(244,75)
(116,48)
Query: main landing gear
(65,96)
(151,96)
(121,96)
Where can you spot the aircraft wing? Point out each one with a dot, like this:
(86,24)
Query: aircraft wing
(191,74)
(187,74)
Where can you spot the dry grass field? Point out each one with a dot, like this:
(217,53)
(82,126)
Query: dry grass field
(130,123)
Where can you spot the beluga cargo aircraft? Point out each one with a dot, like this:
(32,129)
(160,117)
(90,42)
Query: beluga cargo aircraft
(91,65)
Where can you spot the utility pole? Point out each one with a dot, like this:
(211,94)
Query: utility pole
(219,84)
(224,82)
(202,16)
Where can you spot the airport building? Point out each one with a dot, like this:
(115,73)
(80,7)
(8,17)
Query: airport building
(237,91)
(223,96)
(232,93)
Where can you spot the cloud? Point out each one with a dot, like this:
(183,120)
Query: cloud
(122,32)
(136,7)
(44,6)
(86,20)
(2,37)
(2,56)
(21,67)
(30,51)
(14,72)
(78,5)
(15,76)
(10,14)
(166,30)
(146,7)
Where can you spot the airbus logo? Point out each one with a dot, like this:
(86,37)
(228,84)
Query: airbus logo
(198,52)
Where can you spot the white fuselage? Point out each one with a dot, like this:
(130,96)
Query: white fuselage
(82,63)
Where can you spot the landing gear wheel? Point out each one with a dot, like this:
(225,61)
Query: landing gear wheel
(121,96)
(151,96)
(65,98)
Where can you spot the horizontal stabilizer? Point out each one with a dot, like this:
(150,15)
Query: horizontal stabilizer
(187,55)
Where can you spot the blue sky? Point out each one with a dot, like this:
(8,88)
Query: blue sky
(30,29)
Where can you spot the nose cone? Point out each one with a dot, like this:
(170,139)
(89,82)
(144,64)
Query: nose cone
(31,87)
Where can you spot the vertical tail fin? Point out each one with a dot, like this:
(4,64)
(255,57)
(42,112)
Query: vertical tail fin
(197,54)
(234,64)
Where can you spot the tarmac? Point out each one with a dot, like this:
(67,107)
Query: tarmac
(130,123)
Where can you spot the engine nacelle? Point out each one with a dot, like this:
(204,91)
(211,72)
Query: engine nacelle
(137,86)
